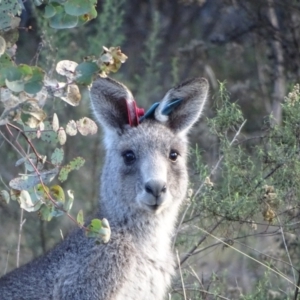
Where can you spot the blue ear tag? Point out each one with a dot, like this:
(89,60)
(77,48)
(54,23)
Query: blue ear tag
(166,111)
(150,112)
(170,106)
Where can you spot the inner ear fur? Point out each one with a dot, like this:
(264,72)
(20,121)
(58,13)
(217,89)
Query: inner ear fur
(109,102)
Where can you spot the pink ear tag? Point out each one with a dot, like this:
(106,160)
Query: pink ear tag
(134,112)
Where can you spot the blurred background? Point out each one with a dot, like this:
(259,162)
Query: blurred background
(252,46)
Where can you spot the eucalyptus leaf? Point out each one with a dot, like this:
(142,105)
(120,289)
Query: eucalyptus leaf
(73,95)
(35,83)
(77,7)
(85,72)
(86,126)
(71,128)
(61,20)
(57,156)
(27,203)
(9,9)
(69,203)
(4,196)
(50,11)
(45,212)
(75,164)
(94,228)
(62,136)
(2,45)
(57,193)
(92,14)
(55,122)
(66,68)
(79,218)
(25,182)
(16,86)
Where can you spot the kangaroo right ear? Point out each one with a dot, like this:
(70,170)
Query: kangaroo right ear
(182,105)
(108,98)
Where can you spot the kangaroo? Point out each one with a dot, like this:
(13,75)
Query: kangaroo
(143,184)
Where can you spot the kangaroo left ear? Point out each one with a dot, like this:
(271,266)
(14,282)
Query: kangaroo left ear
(182,105)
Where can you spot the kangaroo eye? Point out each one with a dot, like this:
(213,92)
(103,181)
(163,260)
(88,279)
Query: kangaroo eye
(129,157)
(173,155)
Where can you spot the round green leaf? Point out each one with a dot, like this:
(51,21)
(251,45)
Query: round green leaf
(5,63)
(94,228)
(57,156)
(26,71)
(16,86)
(13,74)
(45,212)
(92,14)
(50,11)
(35,83)
(58,1)
(9,9)
(85,72)
(62,20)
(78,7)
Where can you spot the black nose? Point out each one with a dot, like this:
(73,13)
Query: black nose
(155,187)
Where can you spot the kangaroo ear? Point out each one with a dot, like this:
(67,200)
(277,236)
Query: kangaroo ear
(182,105)
(108,98)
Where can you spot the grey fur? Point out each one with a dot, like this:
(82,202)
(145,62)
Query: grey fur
(140,199)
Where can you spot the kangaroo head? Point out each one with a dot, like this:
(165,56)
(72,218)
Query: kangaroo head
(145,167)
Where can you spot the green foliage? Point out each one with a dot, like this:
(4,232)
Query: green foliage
(8,10)
(70,13)
(109,24)
(75,164)
(79,218)
(151,62)
(100,230)
(24,91)
(57,156)
(228,115)
(250,191)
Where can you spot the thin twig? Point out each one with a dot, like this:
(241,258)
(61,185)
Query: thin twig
(180,223)
(36,170)
(286,249)
(190,253)
(197,277)
(26,138)
(10,143)
(6,263)
(182,283)
(203,291)
(297,288)
(250,257)
(22,221)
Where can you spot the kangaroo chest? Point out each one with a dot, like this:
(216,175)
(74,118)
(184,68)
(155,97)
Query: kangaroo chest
(148,277)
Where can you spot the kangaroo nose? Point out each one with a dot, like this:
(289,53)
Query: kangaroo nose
(155,187)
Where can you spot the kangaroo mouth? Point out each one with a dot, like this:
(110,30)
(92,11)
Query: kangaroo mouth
(155,208)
